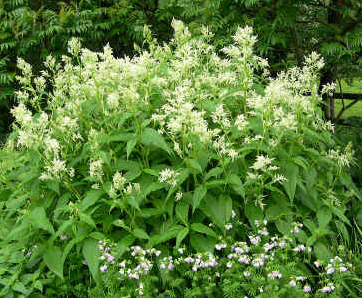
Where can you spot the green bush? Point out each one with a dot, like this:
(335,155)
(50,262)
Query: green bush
(33,29)
(160,150)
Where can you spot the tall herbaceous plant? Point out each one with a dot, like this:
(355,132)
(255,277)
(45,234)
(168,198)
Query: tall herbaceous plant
(161,150)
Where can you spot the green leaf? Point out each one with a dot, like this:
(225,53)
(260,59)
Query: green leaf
(149,212)
(283,227)
(199,194)
(97,235)
(253,213)
(132,167)
(324,216)
(130,146)
(39,219)
(343,230)
(19,287)
(17,232)
(141,234)
(69,247)
(54,260)
(152,172)
(311,240)
(194,164)
(181,236)
(219,210)
(310,225)
(154,186)
(132,201)
(53,185)
(87,219)
(322,252)
(290,170)
(310,177)
(182,212)
(278,209)
(165,236)
(91,256)
(90,199)
(124,243)
(340,214)
(213,173)
(347,181)
(62,228)
(152,137)
(202,244)
(201,228)
(236,184)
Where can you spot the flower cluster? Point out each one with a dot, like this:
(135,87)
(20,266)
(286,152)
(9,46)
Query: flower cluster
(258,262)
(168,176)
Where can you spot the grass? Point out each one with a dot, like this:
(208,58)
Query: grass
(355,110)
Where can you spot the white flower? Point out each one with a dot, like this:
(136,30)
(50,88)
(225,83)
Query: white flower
(74,46)
(241,123)
(113,100)
(261,162)
(178,196)
(279,178)
(118,181)
(168,176)
(22,115)
(219,116)
(96,168)
(55,170)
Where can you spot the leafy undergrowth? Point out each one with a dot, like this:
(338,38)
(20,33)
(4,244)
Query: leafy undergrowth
(172,149)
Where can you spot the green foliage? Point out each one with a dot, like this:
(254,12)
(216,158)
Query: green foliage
(33,29)
(161,150)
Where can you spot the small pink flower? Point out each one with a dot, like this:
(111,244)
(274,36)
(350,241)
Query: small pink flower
(246,274)
(292,283)
(307,289)
(330,271)
(189,260)
(104,268)
(326,290)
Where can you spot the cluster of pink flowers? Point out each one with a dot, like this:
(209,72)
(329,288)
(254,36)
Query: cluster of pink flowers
(327,289)
(275,274)
(260,252)
(105,249)
(206,260)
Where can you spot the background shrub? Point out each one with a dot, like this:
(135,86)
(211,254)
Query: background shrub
(162,150)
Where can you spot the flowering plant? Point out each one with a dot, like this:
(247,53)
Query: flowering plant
(260,266)
(155,148)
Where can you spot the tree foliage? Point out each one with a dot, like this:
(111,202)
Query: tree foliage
(32,29)
(287,30)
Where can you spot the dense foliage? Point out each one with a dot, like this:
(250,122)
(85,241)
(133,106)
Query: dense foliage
(163,150)
(287,31)
(33,29)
